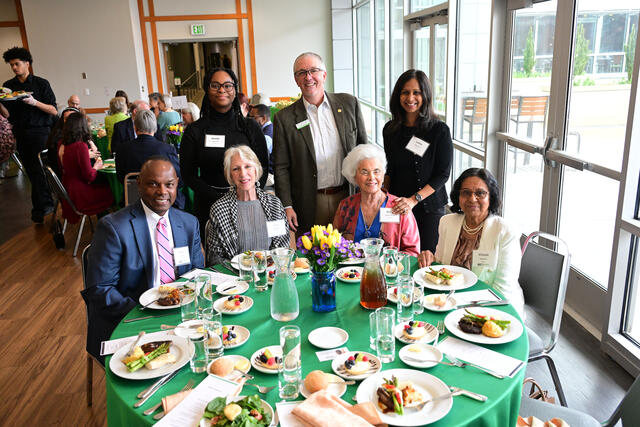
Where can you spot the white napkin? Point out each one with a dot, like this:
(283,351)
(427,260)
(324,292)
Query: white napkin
(467,297)
(489,359)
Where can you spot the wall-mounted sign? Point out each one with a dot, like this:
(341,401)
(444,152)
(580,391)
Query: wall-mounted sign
(177,81)
(197,29)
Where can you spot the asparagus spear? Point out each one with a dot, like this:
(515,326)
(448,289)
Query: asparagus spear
(134,365)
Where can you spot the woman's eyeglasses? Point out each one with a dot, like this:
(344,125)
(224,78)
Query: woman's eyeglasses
(480,194)
(228,87)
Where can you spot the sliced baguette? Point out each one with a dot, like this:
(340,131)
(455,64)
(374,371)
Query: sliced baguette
(163,359)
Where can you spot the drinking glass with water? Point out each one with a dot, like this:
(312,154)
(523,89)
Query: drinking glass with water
(188,304)
(247,264)
(405,300)
(199,359)
(205,293)
(212,323)
(260,270)
(290,370)
(385,340)
(390,264)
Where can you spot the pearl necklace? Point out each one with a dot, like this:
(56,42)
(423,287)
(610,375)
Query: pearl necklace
(471,231)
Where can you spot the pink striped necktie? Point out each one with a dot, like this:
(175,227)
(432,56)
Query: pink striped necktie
(165,253)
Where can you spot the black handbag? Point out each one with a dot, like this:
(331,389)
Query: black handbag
(58,235)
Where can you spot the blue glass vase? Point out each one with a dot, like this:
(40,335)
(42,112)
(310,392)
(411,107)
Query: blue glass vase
(323,291)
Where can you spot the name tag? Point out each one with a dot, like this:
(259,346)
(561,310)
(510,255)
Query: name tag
(214,141)
(302,124)
(181,256)
(386,215)
(276,228)
(417,146)
(482,260)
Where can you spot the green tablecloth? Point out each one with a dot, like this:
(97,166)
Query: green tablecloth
(117,187)
(501,408)
(102,144)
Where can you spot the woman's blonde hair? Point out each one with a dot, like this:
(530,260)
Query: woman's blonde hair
(117,105)
(245,153)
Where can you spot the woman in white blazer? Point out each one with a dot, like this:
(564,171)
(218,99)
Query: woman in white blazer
(477,238)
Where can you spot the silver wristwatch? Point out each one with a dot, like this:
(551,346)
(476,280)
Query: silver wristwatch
(418,197)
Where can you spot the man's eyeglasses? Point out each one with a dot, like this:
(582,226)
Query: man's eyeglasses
(228,87)
(303,73)
(365,172)
(480,194)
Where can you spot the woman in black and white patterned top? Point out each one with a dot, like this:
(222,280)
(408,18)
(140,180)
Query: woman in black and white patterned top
(245,218)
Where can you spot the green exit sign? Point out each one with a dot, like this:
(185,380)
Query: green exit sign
(197,29)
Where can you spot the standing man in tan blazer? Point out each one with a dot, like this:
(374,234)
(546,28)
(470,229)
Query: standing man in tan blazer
(311,137)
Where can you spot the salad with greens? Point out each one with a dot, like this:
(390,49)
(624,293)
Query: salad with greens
(247,412)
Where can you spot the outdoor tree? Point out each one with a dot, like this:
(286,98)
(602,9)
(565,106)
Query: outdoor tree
(529,54)
(581,55)
(630,50)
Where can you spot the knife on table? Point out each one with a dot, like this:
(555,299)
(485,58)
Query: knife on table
(476,396)
(155,388)
(146,317)
(230,267)
(484,304)
(144,392)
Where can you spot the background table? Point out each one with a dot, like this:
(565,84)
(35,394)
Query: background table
(117,187)
(501,408)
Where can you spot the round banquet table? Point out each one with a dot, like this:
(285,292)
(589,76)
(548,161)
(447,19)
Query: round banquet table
(117,187)
(500,409)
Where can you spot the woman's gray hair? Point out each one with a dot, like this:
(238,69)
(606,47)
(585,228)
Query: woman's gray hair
(145,122)
(245,153)
(117,105)
(359,153)
(192,109)
(166,99)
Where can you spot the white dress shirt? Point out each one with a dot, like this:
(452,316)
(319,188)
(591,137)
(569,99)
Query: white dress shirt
(328,148)
(152,223)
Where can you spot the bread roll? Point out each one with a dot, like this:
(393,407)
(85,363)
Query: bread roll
(316,380)
(222,366)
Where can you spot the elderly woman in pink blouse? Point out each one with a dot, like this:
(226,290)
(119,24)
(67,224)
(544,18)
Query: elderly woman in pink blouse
(368,213)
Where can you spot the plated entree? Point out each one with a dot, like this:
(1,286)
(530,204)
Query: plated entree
(444,276)
(151,355)
(489,326)
(395,396)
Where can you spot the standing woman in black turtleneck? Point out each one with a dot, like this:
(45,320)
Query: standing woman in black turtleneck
(419,153)
(221,125)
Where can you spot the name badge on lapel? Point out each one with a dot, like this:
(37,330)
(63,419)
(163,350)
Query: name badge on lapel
(302,124)
(417,146)
(483,260)
(387,216)
(214,141)
(181,256)
(276,228)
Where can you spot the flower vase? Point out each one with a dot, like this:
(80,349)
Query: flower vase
(323,291)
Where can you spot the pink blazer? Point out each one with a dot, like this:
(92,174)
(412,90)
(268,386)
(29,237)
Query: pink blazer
(404,235)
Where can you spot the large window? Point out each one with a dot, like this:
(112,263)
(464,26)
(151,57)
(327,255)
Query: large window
(363,31)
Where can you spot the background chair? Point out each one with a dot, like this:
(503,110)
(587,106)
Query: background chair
(477,115)
(543,277)
(90,358)
(16,160)
(628,410)
(61,194)
(532,109)
(131,194)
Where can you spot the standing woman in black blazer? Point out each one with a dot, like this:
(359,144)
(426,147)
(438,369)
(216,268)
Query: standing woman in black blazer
(419,152)
(221,126)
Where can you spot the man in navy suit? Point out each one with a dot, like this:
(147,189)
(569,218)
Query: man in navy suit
(262,114)
(124,131)
(133,154)
(127,252)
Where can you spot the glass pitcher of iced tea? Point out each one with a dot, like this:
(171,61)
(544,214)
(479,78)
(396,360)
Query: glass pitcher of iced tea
(373,290)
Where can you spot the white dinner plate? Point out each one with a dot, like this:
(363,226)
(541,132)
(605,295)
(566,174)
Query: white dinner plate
(449,305)
(182,348)
(430,336)
(275,350)
(152,294)
(187,328)
(470,278)
(336,386)
(242,335)
(393,297)
(328,337)
(236,288)
(420,358)
(337,365)
(234,375)
(425,384)
(513,331)
(246,305)
(346,270)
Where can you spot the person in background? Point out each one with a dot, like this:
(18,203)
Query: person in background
(54,142)
(311,137)
(132,155)
(244,104)
(31,119)
(117,113)
(419,154)
(123,94)
(168,116)
(124,131)
(7,140)
(260,98)
(359,216)
(74,102)
(154,98)
(241,219)
(221,125)
(137,248)
(190,114)
(78,176)
(262,114)
(477,238)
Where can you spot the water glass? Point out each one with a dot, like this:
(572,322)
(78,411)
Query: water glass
(205,294)
(418,294)
(212,323)
(390,264)
(373,330)
(404,259)
(405,300)
(188,304)
(385,339)
(199,360)
(290,370)
(260,270)
(246,264)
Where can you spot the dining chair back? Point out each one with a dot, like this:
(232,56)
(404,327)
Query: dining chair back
(544,274)
(61,193)
(131,193)
(89,369)
(532,109)
(207,227)
(16,160)
(475,113)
